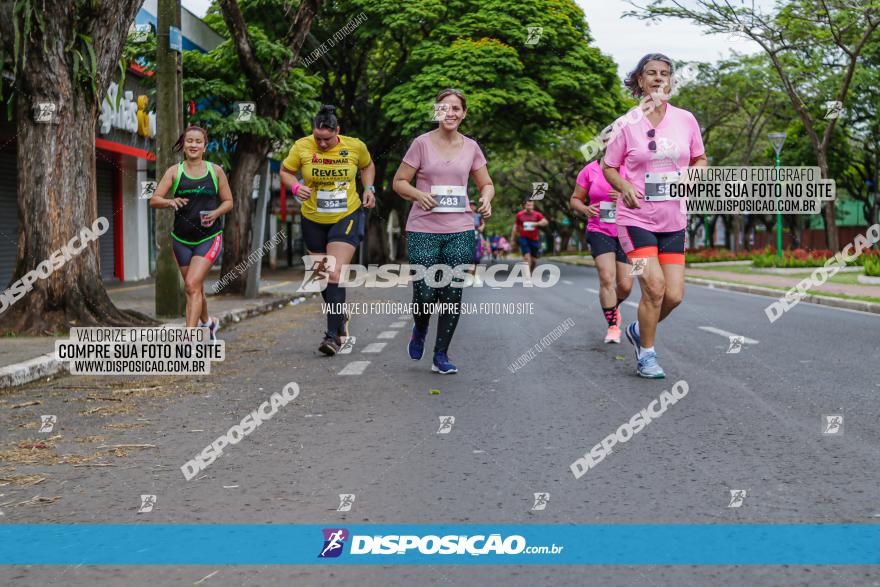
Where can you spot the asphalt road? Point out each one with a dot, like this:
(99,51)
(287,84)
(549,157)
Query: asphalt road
(366,423)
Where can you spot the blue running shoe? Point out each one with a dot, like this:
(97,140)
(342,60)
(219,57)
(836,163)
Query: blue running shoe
(633,338)
(416,345)
(442,365)
(649,368)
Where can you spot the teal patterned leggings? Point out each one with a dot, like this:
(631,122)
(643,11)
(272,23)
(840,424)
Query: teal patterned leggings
(427,248)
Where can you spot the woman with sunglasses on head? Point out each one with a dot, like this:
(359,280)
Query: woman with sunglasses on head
(651,226)
(440,227)
(332,215)
(200,196)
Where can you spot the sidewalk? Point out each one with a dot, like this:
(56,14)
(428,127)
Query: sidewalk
(27,358)
(786,281)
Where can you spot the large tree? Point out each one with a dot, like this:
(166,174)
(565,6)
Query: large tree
(814,48)
(256,63)
(63,53)
(522,91)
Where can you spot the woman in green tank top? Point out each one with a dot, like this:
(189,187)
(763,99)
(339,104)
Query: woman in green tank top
(200,196)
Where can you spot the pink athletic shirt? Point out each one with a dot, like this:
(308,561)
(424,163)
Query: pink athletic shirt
(593,180)
(678,141)
(432,169)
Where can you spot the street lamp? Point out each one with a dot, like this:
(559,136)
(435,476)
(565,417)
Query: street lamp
(777,139)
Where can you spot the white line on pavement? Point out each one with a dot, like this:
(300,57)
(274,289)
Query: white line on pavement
(714,330)
(387,334)
(354,368)
(374,347)
(567,282)
(591,290)
(397,325)
(633,304)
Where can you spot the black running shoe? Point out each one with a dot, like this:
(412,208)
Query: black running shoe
(330,345)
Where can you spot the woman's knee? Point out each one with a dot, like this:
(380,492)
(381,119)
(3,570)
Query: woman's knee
(653,289)
(193,286)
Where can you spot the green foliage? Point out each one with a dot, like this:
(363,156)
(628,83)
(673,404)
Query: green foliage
(872,265)
(215,80)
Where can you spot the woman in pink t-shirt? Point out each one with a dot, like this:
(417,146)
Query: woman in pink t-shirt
(440,227)
(656,142)
(615,282)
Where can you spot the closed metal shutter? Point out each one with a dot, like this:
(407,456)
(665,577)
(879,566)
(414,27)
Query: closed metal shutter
(106,180)
(8,213)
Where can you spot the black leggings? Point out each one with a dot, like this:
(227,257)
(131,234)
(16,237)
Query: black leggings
(427,248)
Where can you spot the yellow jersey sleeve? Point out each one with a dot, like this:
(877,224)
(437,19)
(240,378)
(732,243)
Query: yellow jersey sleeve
(291,162)
(363,154)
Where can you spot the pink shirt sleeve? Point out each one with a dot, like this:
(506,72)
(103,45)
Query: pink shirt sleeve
(479,158)
(413,156)
(615,152)
(583,178)
(697,147)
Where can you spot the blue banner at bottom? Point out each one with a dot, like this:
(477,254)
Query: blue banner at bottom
(389,544)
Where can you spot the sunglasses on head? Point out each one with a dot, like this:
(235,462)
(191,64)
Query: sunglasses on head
(652,146)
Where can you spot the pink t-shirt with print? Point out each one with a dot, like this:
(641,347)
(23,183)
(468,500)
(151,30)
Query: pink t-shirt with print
(678,140)
(432,169)
(593,180)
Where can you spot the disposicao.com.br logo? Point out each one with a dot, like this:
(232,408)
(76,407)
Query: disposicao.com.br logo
(334,540)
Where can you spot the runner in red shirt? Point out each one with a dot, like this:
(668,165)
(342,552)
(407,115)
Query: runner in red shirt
(528,221)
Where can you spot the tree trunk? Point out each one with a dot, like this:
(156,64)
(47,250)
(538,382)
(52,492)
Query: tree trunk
(831,240)
(250,153)
(56,174)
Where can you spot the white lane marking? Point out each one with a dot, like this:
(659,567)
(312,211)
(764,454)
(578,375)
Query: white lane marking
(385,334)
(591,290)
(354,368)
(397,325)
(714,330)
(633,304)
(374,347)
(567,282)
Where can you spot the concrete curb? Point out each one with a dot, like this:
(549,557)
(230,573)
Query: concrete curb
(860,305)
(46,365)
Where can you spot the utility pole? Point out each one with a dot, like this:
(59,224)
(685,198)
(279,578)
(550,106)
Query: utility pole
(170,300)
(777,139)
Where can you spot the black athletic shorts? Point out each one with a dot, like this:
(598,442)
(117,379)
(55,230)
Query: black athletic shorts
(349,229)
(601,243)
(638,242)
(208,248)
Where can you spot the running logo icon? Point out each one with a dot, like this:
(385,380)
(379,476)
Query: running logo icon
(334,540)
(440,112)
(347,345)
(446,423)
(534,35)
(832,424)
(148,502)
(47,423)
(44,112)
(315,279)
(737,497)
(346,500)
(833,109)
(148,188)
(638,266)
(245,111)
(539,189)
(541,501)
(736,344)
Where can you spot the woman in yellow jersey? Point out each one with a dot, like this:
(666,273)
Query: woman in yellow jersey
(200,196)
(332,215)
